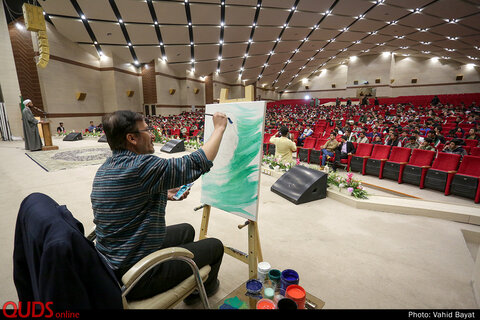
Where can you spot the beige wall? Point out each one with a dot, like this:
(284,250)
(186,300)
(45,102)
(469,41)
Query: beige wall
(433,77)
(9,80)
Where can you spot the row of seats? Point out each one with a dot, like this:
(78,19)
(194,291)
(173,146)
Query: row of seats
(441,171)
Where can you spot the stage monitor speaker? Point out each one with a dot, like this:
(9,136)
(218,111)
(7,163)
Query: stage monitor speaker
(301,184)
(73,136)
(173,146)
(103,139)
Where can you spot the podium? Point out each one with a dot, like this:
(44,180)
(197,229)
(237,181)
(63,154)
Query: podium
(47,136)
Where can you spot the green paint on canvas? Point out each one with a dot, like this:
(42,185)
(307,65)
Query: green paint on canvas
(241,189)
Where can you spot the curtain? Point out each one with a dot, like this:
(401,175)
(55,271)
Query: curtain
(4,124)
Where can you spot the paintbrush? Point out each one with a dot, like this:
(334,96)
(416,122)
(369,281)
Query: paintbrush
(209,114)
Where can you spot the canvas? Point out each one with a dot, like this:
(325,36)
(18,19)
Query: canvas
(233,182)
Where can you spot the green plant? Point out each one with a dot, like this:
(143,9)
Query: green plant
(354,187)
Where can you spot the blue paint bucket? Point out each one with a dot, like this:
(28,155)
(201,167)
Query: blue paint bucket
(287,278)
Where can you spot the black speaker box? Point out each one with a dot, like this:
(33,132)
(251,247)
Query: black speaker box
(301,184)
(173,146)
(73,136)
(103,139)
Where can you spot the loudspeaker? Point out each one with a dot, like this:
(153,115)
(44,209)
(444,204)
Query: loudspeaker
(301,184)
(174,145)
(103,139)
(81,96)
(74,136)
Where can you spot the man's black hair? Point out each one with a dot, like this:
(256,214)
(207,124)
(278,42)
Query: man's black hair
(116,125)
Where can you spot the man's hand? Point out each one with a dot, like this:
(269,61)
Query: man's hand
(172,192)
(220,121)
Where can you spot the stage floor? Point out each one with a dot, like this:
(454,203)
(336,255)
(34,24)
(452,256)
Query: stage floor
(350,257)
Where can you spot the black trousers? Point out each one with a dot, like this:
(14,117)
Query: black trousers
(169,274)
(339,156)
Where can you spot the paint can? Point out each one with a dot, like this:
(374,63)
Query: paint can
(262,270)
(297,294)
(288,277)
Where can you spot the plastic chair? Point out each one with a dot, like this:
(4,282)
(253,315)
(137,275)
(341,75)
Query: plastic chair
(465,183)
(77,276)
(376,162)
(440,175)
(394,166)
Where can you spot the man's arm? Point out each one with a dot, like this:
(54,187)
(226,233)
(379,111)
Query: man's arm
(211,146)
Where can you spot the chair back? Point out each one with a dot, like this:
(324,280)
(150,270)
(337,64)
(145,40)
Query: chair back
(400,154)
(380,151)
(363,149)
(421,157)
(470,166)
(446,161)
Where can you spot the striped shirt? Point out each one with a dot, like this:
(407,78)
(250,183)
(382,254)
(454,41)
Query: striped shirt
(129,196)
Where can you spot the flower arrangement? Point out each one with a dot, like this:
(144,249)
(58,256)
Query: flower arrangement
(192,144)
(354,187)
(277,164)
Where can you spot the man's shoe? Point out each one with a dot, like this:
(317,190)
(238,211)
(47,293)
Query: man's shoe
(194,297)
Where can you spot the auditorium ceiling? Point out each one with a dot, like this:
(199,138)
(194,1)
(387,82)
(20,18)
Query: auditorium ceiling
(274,42)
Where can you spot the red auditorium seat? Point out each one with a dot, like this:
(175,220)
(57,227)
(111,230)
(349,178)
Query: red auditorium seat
(359,159)
(475,151)
(466,180)
(266,142)
(471,143)
(376,161)
(440,175)
(316,153)
(303,153)
(393,168)
(417,166)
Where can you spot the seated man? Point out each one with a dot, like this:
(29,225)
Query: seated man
(328,148)
(342,151)
(427,145)
(454,146)
(412,143)
(284,146)
(129,196)
(306,133)
(362,138)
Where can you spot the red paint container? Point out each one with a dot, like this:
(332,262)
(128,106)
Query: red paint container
(297,294)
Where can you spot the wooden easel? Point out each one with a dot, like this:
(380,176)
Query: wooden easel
(254,255)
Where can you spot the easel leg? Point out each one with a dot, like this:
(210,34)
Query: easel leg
(252,250)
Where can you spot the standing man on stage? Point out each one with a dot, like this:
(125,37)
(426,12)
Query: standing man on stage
(30,128)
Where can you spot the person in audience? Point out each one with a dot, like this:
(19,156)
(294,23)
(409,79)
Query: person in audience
(306,133)
(362,138)
(417,136)
(342,151)
(91,127)
(392,139)
(328,148)
(60,128)
(404,138)
(427,145)
(454,146)
(130,228)
(377,140)
(472,134)
(412,143)
(284,146)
